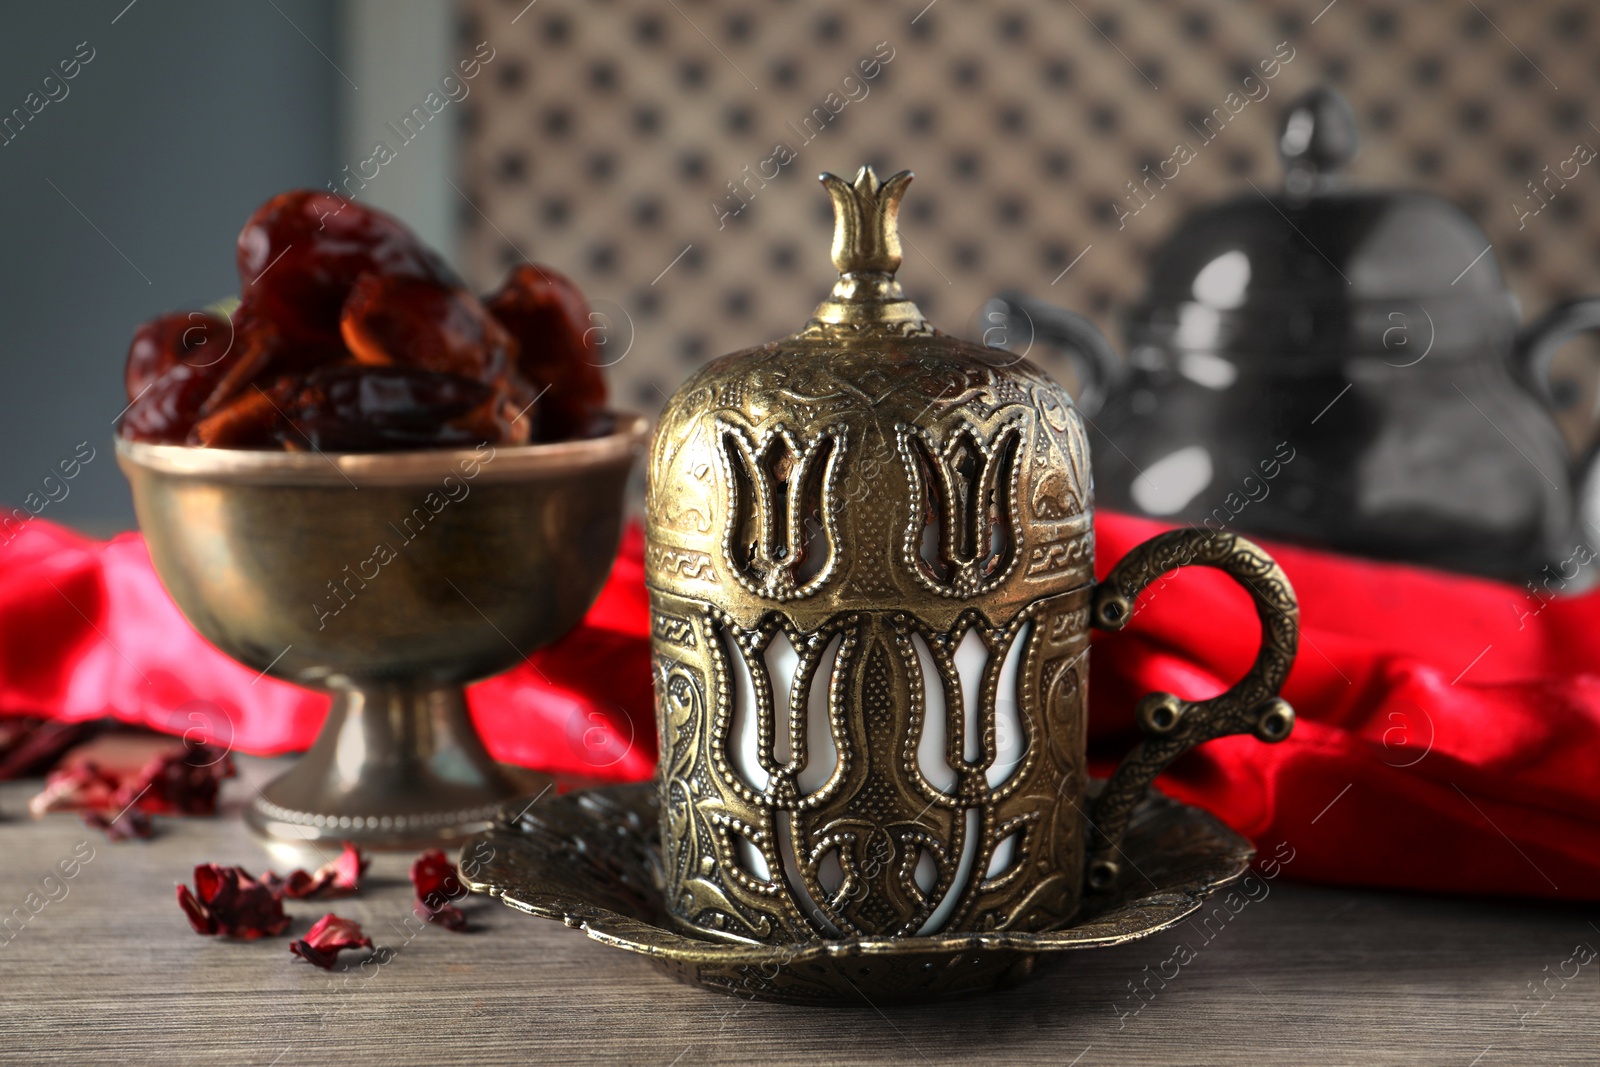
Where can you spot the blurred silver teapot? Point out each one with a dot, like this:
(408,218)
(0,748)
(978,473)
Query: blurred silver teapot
(1336,366)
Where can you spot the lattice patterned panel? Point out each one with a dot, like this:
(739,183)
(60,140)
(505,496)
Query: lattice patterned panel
(608,134)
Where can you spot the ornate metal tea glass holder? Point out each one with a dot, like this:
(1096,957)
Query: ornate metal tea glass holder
(870,556)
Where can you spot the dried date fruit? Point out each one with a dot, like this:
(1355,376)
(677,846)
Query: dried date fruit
(412,322)
(169,408)
(437,885)
(352,336)
(227,901)
(507,417)
(193,338)
(302,252)
(261,355)
(368,409)
(550,320)
(328,937)
(253,420)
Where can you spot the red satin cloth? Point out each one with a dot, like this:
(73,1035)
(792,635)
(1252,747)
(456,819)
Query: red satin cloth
(87,631)
(1448,735)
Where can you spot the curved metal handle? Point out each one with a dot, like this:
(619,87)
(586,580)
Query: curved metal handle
(1094,361)
(1170,724)
(1537,343)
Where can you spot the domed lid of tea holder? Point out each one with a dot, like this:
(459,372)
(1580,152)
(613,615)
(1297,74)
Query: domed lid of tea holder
(869,461)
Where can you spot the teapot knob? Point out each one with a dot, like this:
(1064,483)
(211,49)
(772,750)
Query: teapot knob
(1318,136)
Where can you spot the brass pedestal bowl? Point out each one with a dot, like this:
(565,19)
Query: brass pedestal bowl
(390,580)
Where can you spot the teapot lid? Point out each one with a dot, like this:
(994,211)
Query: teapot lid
(1318,268)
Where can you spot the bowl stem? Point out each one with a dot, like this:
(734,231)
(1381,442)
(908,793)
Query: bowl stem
(395,766)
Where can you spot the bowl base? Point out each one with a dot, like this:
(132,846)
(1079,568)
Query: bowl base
(394,767)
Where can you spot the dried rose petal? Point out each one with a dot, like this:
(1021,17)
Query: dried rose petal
(448,916)
(199,916)
(227,901)
(342,875)
(339,877)
(83,787)
(30,745)
(437,884)
(178,783)
(183,782)
(130,824)
(433,873)
(330,936)
(15,731)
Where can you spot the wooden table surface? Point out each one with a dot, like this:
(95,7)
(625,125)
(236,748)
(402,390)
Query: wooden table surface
(110,973)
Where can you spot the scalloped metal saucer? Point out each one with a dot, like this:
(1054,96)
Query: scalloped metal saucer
(589,859)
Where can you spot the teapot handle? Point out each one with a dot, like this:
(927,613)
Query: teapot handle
(1536,347)
(1094,361)
(1537,342)
(1172,726)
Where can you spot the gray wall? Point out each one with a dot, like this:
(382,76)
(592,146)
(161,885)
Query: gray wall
(189,115)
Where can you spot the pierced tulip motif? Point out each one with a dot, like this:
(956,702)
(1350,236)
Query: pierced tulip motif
(783,748)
